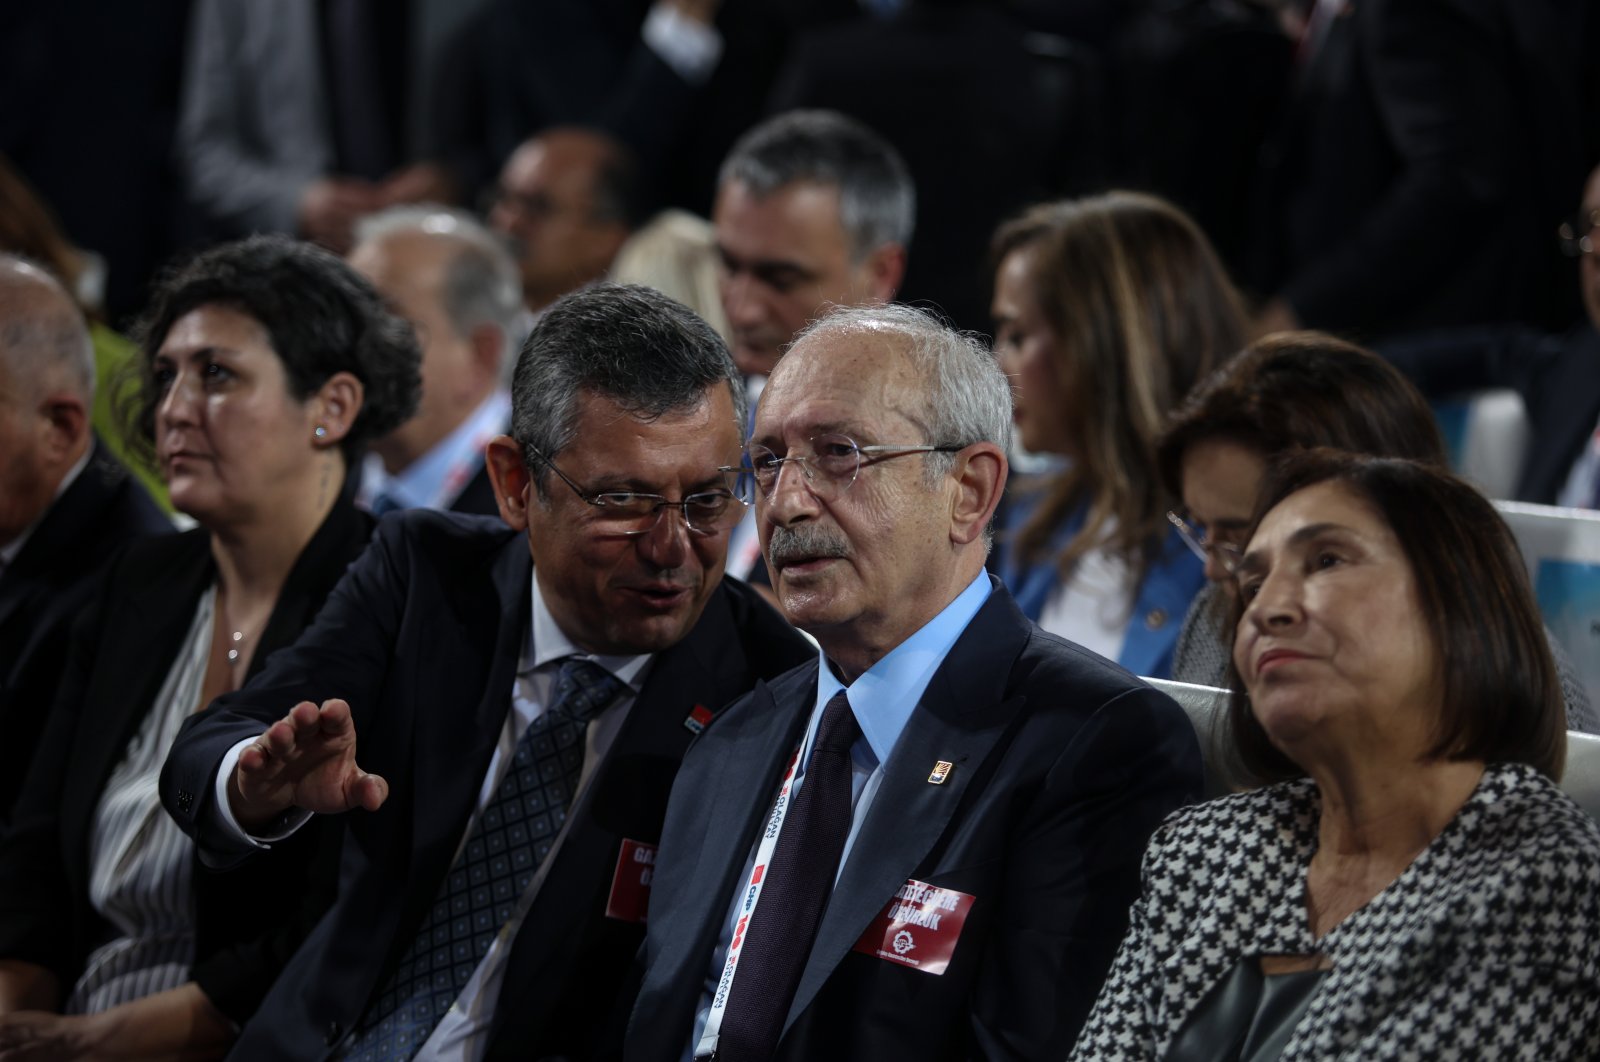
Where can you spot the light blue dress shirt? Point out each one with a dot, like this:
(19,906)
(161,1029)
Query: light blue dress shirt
(882,698)
(437,478)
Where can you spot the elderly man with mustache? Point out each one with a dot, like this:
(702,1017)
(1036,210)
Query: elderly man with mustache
(923,842)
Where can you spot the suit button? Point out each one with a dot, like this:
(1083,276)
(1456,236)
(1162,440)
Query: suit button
(331,1037)
(1155,619)
(185,800)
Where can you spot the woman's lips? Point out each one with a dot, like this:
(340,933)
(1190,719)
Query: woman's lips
(1276,658)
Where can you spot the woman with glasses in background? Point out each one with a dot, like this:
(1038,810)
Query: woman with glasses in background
(1107,310)
(1287,392)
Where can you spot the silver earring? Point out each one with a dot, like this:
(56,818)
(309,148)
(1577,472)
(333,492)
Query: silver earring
(321,432)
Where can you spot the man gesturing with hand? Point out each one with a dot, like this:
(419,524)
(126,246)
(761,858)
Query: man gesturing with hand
(495,711)
(305,760)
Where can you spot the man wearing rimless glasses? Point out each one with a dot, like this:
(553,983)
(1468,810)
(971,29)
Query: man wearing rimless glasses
(522,697)
(923,843)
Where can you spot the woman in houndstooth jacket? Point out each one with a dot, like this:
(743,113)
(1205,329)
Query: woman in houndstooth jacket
(1413,884)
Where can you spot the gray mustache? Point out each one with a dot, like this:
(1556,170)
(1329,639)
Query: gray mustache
(804,542)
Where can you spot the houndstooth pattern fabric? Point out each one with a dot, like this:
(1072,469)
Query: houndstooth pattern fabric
(1486,947)
(503,850)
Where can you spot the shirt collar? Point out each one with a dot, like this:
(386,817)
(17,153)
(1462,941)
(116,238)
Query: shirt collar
(884,696)
(547,642)
(9,551)
(435,479)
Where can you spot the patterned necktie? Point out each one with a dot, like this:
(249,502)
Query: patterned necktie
(509,840)
(798,884)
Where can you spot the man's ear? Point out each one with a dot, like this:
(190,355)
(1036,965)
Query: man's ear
(980,475)
(513,485)
(64,417)
(338,404)
(882,272)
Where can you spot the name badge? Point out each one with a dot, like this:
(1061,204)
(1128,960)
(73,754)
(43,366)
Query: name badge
(918,928)
(630,885)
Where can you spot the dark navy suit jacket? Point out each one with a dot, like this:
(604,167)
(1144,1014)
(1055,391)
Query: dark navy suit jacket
(422,638)
(1064,764)
(49,582)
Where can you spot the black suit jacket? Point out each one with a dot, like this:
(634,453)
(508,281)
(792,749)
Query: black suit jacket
(422,639)
(123,646)
(1420,165)
(1063,766)
(1557,376)
(51,579)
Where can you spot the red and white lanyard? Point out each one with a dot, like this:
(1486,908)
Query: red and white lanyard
(707,1046)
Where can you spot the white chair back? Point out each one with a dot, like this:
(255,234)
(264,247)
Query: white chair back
(1486,434)
(1206,707)
(1561,548)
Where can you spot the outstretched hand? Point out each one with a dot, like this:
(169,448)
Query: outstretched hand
(307,760)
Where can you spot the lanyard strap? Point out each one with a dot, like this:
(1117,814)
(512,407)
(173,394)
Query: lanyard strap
(707,1046)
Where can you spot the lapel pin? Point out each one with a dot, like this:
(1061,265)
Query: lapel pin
(697,719)
(941,771)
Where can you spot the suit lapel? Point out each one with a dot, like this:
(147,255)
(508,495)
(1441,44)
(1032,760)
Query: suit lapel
(140,639)
(481,631)
(749,752)
(959,719)
(68,525)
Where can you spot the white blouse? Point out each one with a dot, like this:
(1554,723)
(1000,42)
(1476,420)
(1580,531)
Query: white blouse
(141,866)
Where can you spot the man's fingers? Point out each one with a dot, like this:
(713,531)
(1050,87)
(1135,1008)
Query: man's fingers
(333,719)
(368,791)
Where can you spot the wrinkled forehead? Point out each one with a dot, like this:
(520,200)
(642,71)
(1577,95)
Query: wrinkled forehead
(860,378)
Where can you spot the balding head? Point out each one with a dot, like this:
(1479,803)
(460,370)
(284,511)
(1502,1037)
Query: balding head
(44,341)
(459,288)
(46,387)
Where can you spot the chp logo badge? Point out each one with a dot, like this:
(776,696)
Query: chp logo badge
(903,942)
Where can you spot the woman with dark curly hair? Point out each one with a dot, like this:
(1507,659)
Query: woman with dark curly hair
(267,367)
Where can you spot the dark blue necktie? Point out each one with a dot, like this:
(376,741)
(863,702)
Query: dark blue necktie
(796,890)
(507,843)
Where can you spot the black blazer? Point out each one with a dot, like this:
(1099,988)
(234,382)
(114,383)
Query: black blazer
(246,924)
(49,582)
(1063,766)
(1557,376)
(1420,165)
(422,639)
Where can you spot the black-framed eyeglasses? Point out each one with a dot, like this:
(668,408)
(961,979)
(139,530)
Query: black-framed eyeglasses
(832,465)
(1200,543)
(1576,234)
(627,512)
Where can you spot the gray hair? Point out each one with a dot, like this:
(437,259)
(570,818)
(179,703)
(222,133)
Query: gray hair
(877,201)
(44,339)
(631,344)
(481,282)
(966,396)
